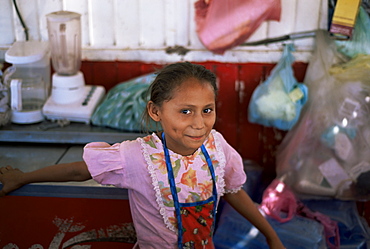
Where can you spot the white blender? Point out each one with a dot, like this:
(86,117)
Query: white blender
(70,98)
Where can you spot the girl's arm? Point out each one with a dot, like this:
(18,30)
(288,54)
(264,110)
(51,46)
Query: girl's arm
(13,179)
(242,203)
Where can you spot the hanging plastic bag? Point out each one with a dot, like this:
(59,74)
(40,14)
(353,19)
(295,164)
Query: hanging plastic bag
(124,105)
(360,42)
(278,101)
(326,154)
(222,25)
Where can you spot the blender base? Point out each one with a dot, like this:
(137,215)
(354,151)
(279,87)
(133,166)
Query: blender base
(77,111)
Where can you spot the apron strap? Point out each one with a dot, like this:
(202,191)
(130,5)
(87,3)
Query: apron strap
(171,179)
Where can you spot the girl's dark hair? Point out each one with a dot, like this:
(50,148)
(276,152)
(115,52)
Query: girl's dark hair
(171,77)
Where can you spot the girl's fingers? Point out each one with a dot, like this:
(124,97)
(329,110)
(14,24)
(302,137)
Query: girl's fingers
(5,169)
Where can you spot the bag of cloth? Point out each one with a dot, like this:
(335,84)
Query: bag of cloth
(222,25)
(278,101)
(124,104)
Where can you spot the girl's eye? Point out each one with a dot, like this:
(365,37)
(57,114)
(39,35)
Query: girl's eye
(185,111)
(208,110)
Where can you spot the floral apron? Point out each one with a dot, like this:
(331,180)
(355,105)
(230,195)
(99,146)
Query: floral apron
(195,221)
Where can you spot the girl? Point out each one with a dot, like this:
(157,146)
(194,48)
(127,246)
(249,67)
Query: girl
(175,177)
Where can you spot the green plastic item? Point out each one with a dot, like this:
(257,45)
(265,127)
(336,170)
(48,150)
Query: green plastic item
(360,42)
(123,106)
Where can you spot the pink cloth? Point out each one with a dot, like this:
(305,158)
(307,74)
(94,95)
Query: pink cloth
(222,25)
(128,165)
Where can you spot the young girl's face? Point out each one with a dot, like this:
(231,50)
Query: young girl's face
(187,118)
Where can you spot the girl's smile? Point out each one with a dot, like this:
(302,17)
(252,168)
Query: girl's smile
(188,117)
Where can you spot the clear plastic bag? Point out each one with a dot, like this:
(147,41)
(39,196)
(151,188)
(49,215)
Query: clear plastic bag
(278,101)
(326,154)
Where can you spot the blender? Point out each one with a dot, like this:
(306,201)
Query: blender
(70,98)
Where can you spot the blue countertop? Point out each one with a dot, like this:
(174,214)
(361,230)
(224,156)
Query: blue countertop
(74,133)
(71,190)
(28,148)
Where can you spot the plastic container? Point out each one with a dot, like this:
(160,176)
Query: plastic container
(31,57)
(28,80)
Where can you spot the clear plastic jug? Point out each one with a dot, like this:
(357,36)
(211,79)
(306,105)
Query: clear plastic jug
(27,96)
(28,80)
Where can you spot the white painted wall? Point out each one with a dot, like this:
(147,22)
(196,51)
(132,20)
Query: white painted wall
(142,29)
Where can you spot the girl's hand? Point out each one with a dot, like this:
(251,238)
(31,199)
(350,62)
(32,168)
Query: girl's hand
(11,179)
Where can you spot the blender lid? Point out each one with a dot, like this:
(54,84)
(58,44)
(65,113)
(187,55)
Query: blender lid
(62,16)
(22,52)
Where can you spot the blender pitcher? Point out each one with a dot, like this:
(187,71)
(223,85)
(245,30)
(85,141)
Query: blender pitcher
(64,31)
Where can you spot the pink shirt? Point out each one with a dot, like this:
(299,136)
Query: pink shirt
(139,166)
